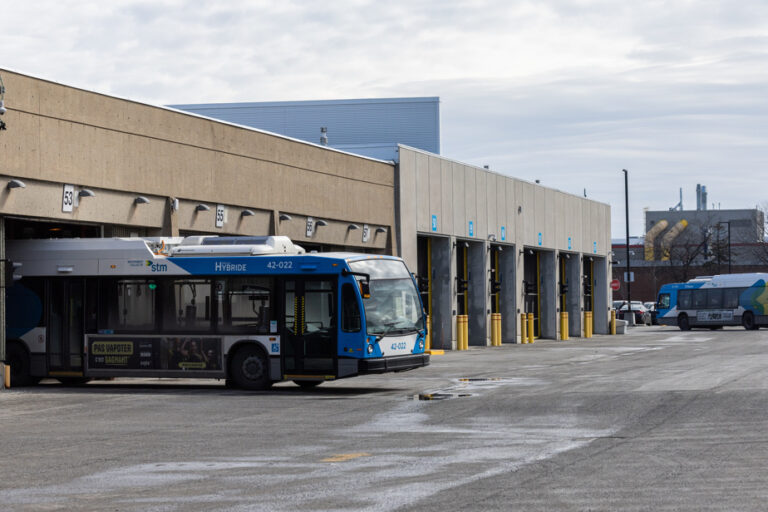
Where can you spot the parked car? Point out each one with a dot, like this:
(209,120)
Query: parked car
(637,309)
(649,317)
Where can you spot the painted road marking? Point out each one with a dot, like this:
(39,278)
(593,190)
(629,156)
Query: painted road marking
(344,457)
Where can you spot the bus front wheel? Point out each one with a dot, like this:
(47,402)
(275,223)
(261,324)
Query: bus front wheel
(249,369)
(748,321)
(683,323)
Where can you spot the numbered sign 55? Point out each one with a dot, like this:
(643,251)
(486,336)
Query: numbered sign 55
(220,215)
(68,198)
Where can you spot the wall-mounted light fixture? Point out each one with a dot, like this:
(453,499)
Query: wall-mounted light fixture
(247,213)
(141,200)
(519,209)
(381,230)
(86,193)
(491,238)
(523,251)
(14,183)
(202,208)
(321,222)
(353,227)
(285,216)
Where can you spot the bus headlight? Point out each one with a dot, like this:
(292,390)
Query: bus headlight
(370,349)
(421,344)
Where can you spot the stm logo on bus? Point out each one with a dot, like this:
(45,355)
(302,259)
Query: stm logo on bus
(157,267)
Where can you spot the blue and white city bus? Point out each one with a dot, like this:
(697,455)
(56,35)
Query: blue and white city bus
(251,310)
(715,301)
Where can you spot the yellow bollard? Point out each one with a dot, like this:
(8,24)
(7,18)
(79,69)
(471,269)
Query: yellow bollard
(588,324)
(495,329)
(613,321)
(567,327)
(428,337)
(530,327)
(466,332)
(563,326)
(462,328)
(6,375)
(523,335)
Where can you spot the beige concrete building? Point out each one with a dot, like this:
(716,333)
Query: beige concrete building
(79,163)
(515,246)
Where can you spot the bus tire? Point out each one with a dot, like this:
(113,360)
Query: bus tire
(683,323)
(17,357)
(748,321)
(307,384)
(250,369)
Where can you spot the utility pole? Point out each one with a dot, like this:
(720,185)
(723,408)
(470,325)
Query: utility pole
(629,275)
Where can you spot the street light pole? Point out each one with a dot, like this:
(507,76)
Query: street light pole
(629,276)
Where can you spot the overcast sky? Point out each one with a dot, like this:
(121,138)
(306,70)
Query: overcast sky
(567,92)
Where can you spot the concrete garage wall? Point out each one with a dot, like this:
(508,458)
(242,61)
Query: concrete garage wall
(120,148)
(439,198)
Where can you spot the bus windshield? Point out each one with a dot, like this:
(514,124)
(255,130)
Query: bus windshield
(394,306)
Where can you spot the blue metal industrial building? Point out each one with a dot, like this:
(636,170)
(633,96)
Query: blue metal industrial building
(369,127)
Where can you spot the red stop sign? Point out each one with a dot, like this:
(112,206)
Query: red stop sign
(615,285)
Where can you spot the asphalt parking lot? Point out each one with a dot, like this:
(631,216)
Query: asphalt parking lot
(657,419)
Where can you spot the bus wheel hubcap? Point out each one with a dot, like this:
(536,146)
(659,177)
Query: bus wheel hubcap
(252,368)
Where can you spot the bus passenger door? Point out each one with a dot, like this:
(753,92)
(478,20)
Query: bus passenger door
(65,327)
(309,327)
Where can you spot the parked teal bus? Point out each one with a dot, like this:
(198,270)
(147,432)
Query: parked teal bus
(715,301)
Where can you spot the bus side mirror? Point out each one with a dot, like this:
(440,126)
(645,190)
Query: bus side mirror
(365,289)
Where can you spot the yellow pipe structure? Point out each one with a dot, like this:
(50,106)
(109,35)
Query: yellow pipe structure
(523,335)
(428,337)
(530,327)
(613,321)
(669,236)
(650,237)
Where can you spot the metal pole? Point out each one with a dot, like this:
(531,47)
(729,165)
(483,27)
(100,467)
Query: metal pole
(629,275)
(729,246)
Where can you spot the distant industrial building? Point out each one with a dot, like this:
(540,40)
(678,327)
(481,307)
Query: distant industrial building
(681,244)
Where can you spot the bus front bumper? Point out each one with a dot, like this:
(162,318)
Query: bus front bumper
(393,364)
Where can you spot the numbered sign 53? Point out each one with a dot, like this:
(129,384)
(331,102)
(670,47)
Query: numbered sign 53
(68,198)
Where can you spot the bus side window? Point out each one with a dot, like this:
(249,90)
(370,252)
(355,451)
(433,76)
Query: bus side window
(664,301)
(128,304)
(350,312)
(245,303)
(684,299)
(714,298)
(699,299)
(192,305)
(731,298)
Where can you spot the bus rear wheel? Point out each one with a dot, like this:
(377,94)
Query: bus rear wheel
(683,323)
(249,369)
(748,321)
(18,359)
